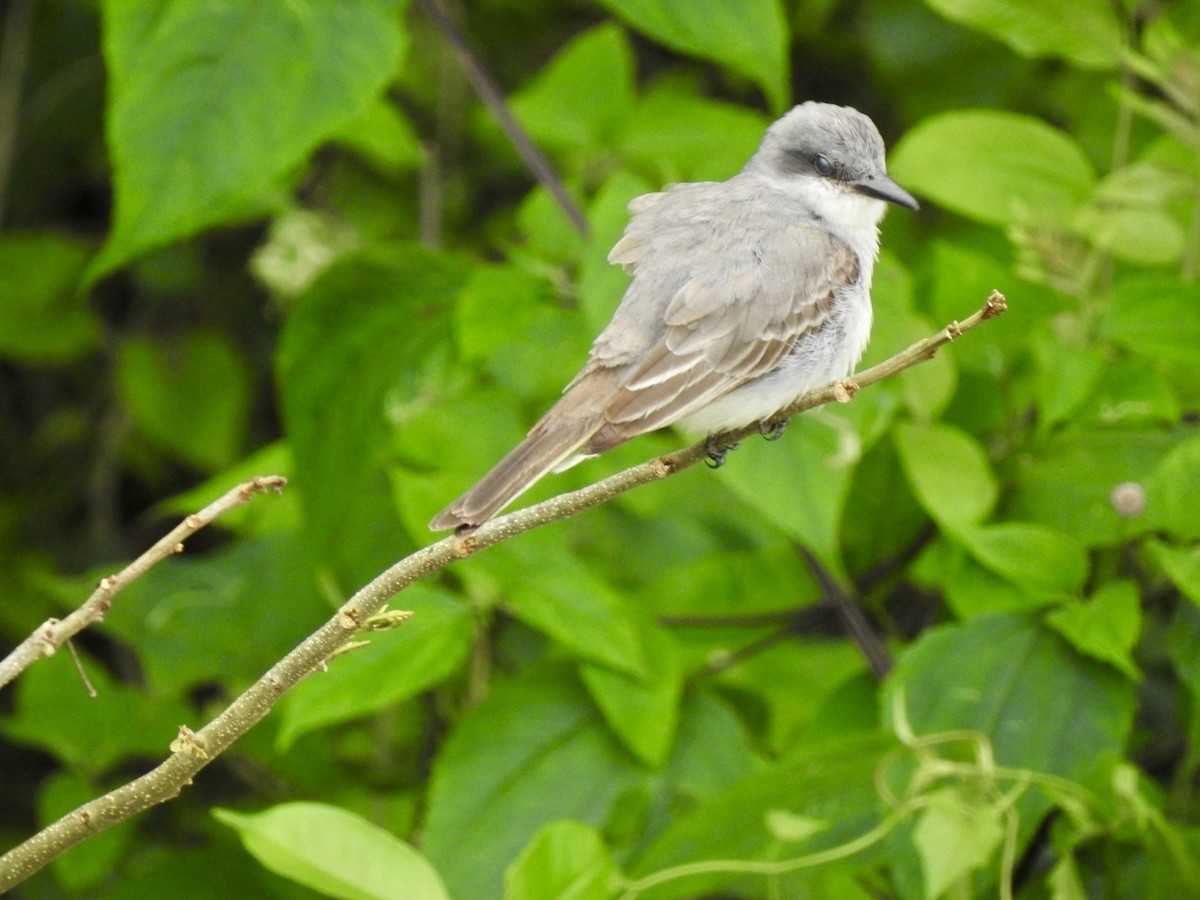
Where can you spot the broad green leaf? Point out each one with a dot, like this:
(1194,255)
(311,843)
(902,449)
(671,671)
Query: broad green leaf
(1173,491)
(962,278)
(190,397)
(224,616)
(397,664)
(580,611)
(533,752)
(1042,706)
(1067,483)
(887,518)
(1183,647)
(212,108)
(1085,32)
(1064,881)
(972,589)
(1128,392)
(1066,376)
(1157,317)
(1000,168)
(549,235)
(1106,627)
(799,483)
(955,835)
(831,782)
(1182,565)
(52,711)
(601,284)
(1147,237)
(642,709)
(335,852)
(364,332)
(382,136)
(749,36)
(45,318)
(579,98)
(495,308)
(268,514)
(566,860)
(674,135)
(1037,559)
(948,471)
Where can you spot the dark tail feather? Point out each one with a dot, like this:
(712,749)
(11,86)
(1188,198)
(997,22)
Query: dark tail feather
(546,447)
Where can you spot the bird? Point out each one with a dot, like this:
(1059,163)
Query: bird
(745,294)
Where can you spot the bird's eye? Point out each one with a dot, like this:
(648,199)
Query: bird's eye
(822,165)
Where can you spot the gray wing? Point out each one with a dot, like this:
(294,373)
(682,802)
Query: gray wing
(716,301)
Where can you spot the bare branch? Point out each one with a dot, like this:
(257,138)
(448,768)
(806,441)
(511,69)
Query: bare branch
(494,100)
(53,633)
(192,751)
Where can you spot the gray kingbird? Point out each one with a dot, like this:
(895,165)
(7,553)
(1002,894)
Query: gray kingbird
(746,293)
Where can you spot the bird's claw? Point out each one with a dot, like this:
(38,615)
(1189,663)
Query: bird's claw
(715,451)
(772,429)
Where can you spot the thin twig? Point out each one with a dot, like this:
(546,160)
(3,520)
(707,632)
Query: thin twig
(202,747)
(850,615)
(494,100)
(53,633)
(14,57)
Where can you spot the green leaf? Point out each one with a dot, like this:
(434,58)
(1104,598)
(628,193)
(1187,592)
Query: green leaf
(534,751)
(1068,482)
(1106,627)
(224,616)
(996,167)
(383,136)
(366,330)
(1157,317)
(580,611)
(192,397)
(991,674)
(1182,565)
(46,319)
(955,836)
(397,665)
(642,709)
(1147,237)
(749,36)
(800,483)
(1173,492)
(1085,32)
(335,852)
(579,98)
(1066,376)
(948,471)
(677,136)
(53,712)
(211,108)
(1037,559)
(565,861)
(265,515)
(831,782)
(1183,646)
(601,284)
(1064,881)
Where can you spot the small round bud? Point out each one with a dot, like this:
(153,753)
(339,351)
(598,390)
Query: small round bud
(1128,499)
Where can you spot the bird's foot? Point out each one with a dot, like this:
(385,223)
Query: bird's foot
(772,429)
(715,451)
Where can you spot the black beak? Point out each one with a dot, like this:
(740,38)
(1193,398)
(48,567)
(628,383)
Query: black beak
(883,188)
